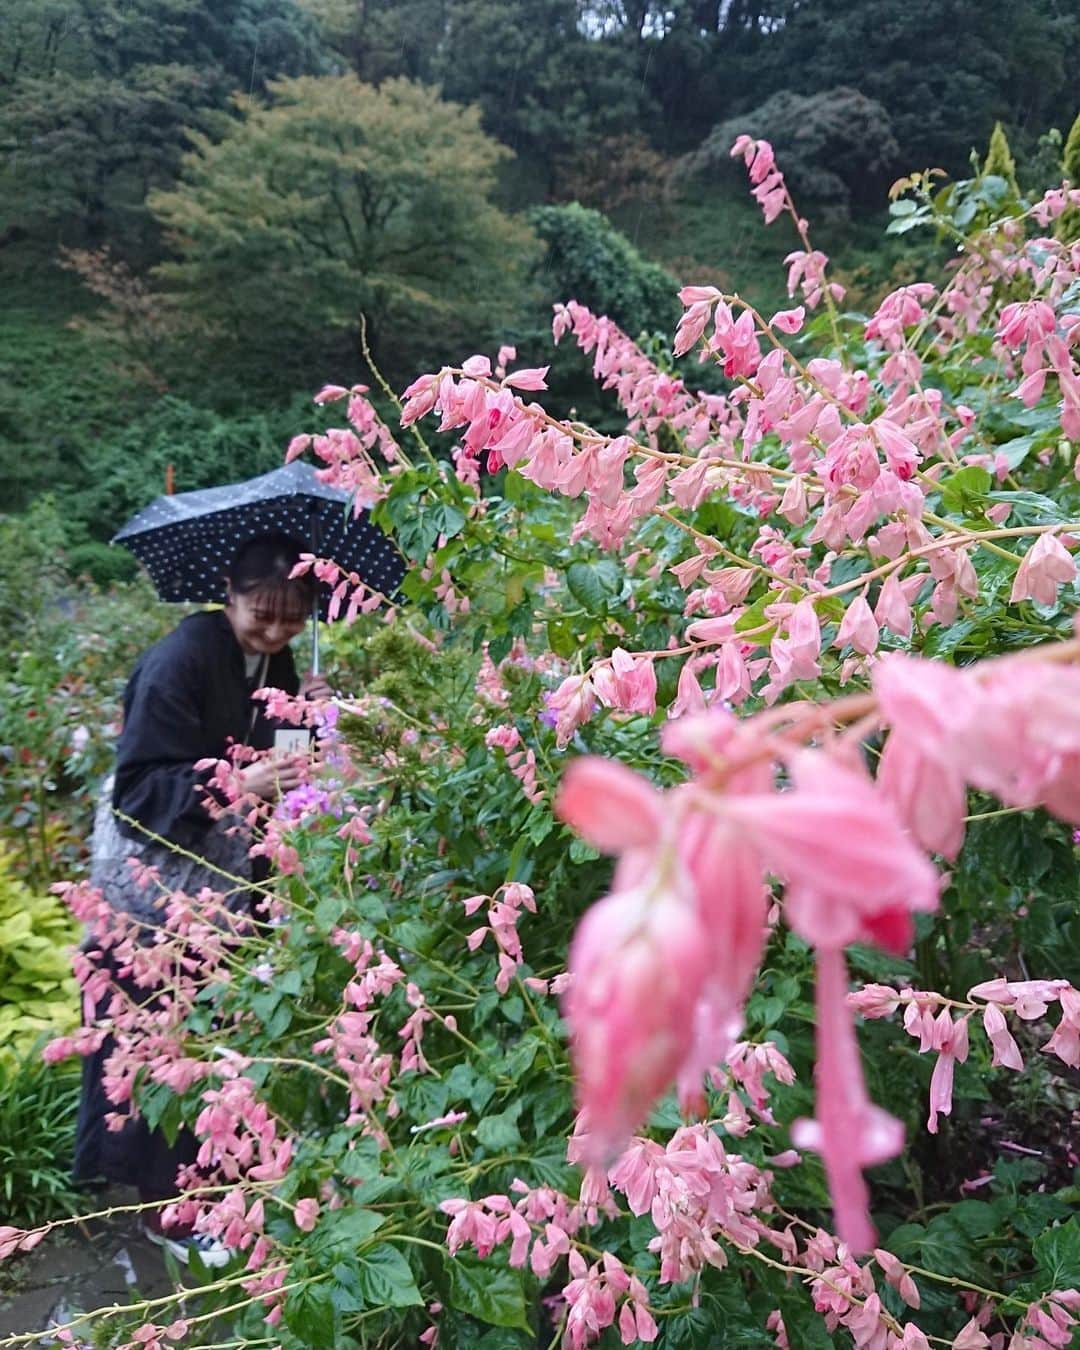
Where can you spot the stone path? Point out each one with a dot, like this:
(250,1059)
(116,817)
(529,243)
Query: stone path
(81,1267)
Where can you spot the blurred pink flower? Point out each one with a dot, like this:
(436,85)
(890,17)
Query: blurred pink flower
(1046,566)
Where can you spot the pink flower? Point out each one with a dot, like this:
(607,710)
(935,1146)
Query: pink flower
(615,809)
(573,704)
(297,446)
(971,1337)
(859,628)
(850,1133)
(892,610)
(852,873)
(1065,1042)
(928,706)
(638,959)
(950,1039)
(788,320)
(1006,1051)
(306,1214)
(535,378)
(628,683)
(1046,566)
(796,656)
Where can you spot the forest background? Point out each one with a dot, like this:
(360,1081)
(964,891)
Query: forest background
(199,201)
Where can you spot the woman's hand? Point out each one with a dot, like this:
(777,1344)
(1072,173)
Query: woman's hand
(314,686)
(268,777)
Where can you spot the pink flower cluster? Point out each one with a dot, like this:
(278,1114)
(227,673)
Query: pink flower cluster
(662,965)
(929,1017)
(520,760)
(349,452)
(356,1052)
(1010,728)
(502,920)
(541,1227)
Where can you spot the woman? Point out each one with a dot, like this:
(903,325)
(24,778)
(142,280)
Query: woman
(190,698)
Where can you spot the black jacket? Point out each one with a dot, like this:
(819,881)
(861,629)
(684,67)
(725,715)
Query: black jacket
(188,699)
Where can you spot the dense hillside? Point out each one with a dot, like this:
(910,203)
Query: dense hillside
(198,202)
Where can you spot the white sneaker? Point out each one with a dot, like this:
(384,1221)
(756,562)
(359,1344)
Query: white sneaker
(211,1251)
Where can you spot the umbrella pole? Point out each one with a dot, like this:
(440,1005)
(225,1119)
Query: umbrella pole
(315,598)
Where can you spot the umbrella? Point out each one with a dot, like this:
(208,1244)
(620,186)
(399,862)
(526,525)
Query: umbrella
(187,540)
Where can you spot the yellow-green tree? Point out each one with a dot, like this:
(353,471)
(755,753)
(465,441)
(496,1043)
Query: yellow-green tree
(335,199)
(1068,225)
(999,161)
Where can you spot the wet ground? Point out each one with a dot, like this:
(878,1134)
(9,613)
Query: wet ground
(108,1261)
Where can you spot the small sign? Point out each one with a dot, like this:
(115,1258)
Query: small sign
(291,741)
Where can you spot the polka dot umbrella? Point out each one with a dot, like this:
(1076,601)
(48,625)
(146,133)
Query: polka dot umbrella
(187,541)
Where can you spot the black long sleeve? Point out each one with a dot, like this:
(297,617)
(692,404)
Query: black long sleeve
(188,699)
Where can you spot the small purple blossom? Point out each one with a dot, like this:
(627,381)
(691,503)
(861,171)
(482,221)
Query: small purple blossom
(307,800)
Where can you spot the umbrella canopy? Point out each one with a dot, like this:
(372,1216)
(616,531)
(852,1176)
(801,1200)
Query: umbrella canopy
(187,541)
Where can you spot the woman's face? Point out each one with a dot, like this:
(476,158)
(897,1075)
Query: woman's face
(262,623)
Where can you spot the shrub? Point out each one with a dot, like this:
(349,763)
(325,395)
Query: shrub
(38,995)
(801,656)
(38,1106)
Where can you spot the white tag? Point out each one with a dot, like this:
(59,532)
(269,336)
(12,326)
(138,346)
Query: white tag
(291,741)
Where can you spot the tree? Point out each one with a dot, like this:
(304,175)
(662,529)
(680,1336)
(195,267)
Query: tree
(999,160)
(94,95)
(1068,226)
(338,199)
(588,260)
(837,146)
(942,95)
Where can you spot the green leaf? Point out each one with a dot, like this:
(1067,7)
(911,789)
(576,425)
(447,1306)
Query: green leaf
(385,1279)
(964,492)
(362,1161)
(581,852)
(1032,507)
(1016,450)
(593,584)
(562,637)
(345,1229)
(500,1132)
(310,1315)
(488,1290)
(449,519)
(1057,1252)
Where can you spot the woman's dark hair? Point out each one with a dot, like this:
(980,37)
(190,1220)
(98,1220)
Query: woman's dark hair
(262,566)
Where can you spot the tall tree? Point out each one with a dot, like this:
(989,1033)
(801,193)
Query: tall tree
(944,70)
(94,95)
(338,199)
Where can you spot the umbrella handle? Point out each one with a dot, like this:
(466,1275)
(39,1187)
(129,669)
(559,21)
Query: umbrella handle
(315,532)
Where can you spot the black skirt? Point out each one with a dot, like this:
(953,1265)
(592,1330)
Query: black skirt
(135,1155)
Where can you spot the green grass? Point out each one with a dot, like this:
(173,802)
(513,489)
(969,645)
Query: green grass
(38,1105)
(59,391)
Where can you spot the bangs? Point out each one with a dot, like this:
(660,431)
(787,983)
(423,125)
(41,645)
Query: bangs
(289,602)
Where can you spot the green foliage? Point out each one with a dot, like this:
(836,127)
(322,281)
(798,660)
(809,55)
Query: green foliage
(38,995)
(38,1105)
(1068,223)
(999,161)
(836,146)
(68,649)
(96,96)
(334,200)
(1014,63)
(586,259)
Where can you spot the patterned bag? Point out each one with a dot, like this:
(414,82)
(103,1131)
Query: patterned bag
(222,849)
